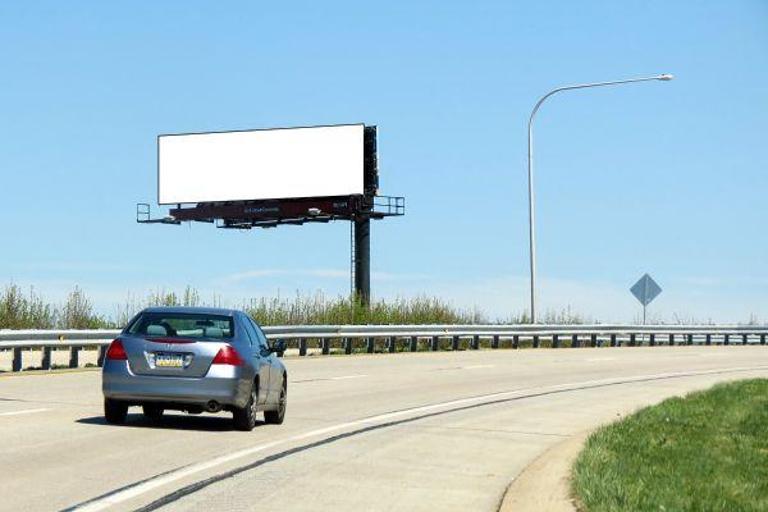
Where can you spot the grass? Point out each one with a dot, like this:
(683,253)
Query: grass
(29,310)
(321,310)
(19,310)
(707,451)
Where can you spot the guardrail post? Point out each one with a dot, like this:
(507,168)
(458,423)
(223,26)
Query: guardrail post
(101,356)
(689,340)
(370,345)
(326,346)
(45,362)
(575,343)
(74,356)
(708,340)
(435,343)
(516,341)
(762,339)
(632,340)
(555,341)
(652,340)
(475,342)
(17,363)
(671,340)
(743,339)
(414,344)
(347,346)
(495,341)
(455,343)
(593,340)
(392,344)
(535,341)
(727,339)
(613,340)
(302,346)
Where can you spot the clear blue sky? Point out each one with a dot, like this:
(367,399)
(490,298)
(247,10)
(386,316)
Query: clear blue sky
(666,178)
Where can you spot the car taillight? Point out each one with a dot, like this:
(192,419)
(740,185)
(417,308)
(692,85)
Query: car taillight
(228,355)
(116,352)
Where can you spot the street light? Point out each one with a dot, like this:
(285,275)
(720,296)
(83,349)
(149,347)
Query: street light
(531,223)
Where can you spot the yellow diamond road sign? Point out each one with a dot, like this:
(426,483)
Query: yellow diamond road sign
(645,290)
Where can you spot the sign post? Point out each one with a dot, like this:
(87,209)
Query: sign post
(645,290)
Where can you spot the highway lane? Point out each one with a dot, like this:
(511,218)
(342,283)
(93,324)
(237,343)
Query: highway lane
(383,432)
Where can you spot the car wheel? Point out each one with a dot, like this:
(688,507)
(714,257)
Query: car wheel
(153,412)
(245,418)
(114,411)
(277,417)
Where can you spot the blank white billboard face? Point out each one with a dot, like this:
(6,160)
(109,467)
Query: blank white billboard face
(260,164)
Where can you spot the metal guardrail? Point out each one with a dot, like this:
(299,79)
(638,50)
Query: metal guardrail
(413,338)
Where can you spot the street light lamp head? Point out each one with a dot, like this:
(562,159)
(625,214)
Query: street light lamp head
(666,77)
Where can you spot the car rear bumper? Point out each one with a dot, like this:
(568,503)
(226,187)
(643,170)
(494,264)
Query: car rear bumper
(224,384)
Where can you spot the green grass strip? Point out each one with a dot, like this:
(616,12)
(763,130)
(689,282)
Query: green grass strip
(707,451)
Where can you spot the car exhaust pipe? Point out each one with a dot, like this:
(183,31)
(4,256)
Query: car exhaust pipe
(213,406)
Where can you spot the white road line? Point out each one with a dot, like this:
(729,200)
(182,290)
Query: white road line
(469,367)
(26,411)
(600,359)
(326,379)
(345,377)
(145,487)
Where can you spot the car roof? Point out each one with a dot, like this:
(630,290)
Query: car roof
(191,310)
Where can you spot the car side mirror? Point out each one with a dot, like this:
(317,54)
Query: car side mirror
(278,347)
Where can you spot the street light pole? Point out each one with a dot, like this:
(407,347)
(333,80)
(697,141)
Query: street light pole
(531,217)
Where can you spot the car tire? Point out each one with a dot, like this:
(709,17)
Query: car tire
(276,417)
(245,418)
(153,412)
(115,411)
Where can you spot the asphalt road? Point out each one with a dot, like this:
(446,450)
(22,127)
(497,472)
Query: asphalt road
(425,431)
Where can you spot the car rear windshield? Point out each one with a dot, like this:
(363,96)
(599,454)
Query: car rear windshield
(182,325)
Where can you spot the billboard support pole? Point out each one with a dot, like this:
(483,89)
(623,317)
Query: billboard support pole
(362,246)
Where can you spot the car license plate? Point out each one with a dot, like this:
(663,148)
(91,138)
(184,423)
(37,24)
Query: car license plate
(169,360)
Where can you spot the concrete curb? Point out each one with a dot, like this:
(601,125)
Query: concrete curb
(545,483)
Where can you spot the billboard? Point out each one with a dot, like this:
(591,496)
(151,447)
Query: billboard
(280,163)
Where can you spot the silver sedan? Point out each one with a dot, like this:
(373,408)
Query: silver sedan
(195,360)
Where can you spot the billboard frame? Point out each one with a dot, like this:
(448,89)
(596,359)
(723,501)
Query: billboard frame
(359,209)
